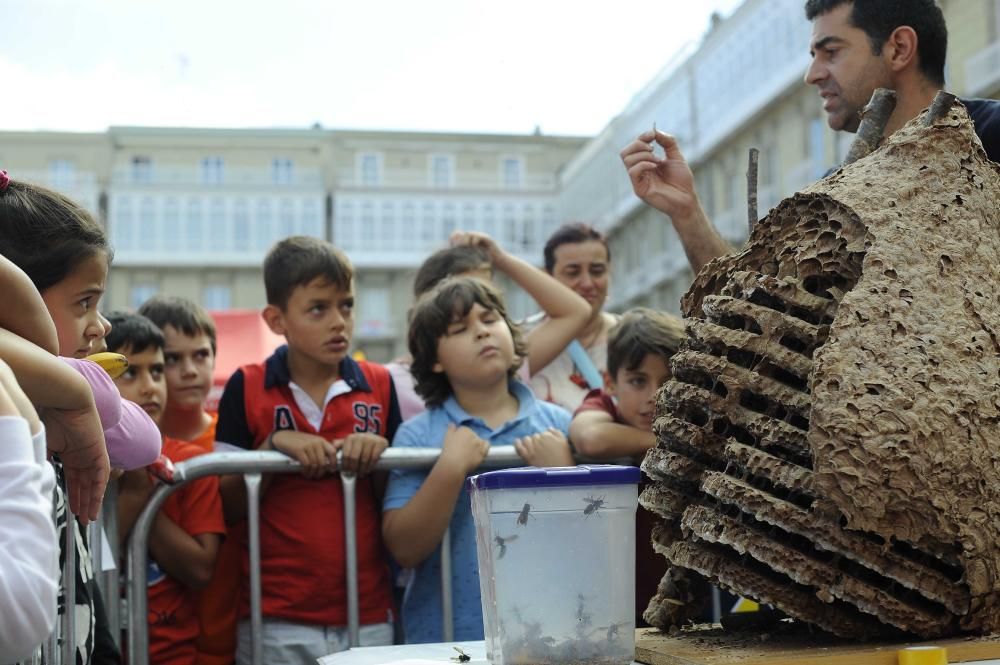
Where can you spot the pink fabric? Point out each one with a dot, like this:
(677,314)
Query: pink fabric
(132,437)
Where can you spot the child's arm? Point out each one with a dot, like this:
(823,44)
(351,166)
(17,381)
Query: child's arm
(29,549)
(188,559)
(566,312)
(594,433)
(24,313)
(134,488)
(73,428)
(413,532)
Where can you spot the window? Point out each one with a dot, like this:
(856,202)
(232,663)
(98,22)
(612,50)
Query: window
(171,227)
(194,229)
(124,224)
(368,231)
(216,297)
(140,293)
(370,167)
(311,224)
(281,171)
(241,226)
(217,232)
(376,311)
(142,169)
(286,218)
(512,175)
(211,171)
(265,225)
(61,174)
(442,171)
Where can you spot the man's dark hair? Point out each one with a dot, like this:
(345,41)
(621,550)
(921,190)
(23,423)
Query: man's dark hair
(878,19)
(132,332)
(437,309)
(640,332)
(184,315)
(298,260)
(571,234)
(446,263)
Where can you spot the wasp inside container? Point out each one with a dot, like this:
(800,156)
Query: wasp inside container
(556,552)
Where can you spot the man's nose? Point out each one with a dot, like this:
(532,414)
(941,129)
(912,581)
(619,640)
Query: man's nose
(815,73)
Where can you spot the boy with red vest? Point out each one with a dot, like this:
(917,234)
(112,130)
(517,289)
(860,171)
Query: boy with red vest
(310,400)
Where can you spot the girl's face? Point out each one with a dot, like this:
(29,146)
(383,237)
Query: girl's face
(72,304)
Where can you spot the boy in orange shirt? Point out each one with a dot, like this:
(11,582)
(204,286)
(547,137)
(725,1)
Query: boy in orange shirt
(189,352)
(188,530)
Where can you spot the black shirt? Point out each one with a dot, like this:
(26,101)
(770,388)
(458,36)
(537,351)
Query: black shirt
(985,114)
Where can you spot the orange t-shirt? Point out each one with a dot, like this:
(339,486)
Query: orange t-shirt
(173,620)
(217,613)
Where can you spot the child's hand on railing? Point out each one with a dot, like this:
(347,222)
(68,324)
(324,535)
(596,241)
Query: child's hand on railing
(360,451)
(462,450)
(548,448)
(317,456)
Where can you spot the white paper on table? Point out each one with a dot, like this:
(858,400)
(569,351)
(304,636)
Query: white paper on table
(408,654)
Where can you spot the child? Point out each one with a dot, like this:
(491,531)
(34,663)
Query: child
(189,352)
(65,254)
(29,560)
(187,531)
(618,421)
(474,254)
(466,353)
(310,400)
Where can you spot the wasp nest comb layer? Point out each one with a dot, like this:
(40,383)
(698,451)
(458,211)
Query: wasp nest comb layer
(830,440)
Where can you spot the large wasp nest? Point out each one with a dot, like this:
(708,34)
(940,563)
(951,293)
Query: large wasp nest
(830,440)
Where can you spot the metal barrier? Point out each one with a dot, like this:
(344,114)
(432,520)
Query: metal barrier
(252,464)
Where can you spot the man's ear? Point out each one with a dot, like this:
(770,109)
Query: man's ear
(274,318)
(900,50)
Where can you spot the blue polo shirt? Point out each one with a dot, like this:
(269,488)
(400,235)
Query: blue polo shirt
(422,601)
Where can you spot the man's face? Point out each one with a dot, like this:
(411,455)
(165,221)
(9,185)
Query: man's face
(189,365)
(843,68)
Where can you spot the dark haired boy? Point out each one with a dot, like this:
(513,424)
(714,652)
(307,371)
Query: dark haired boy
(466,353)
(617,421)
(189,351)
(187,532)
(310,400)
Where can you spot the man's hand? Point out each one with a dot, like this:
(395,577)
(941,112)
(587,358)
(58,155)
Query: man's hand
(462,450)
(360,451)
(317,456)
(480,241)
(76,436)
(665,184)
(548,448)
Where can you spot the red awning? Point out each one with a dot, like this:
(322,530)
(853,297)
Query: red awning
(243,338)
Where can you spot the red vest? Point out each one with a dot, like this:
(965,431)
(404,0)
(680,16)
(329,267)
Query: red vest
(303,572)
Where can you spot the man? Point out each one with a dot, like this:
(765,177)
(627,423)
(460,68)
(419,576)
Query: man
(857,46)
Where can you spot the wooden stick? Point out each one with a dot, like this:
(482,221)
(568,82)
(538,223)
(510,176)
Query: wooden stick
(943,101)
(874,118)
(752,188)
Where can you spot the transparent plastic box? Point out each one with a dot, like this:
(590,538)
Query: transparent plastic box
(556,552)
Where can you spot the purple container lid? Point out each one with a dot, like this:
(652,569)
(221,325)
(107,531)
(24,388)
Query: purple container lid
(584,475)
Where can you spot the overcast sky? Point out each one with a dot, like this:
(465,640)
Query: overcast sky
(442,65)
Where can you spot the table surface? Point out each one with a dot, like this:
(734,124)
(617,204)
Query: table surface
(436,654)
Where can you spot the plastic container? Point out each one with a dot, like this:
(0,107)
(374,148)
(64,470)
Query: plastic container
(556,552)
